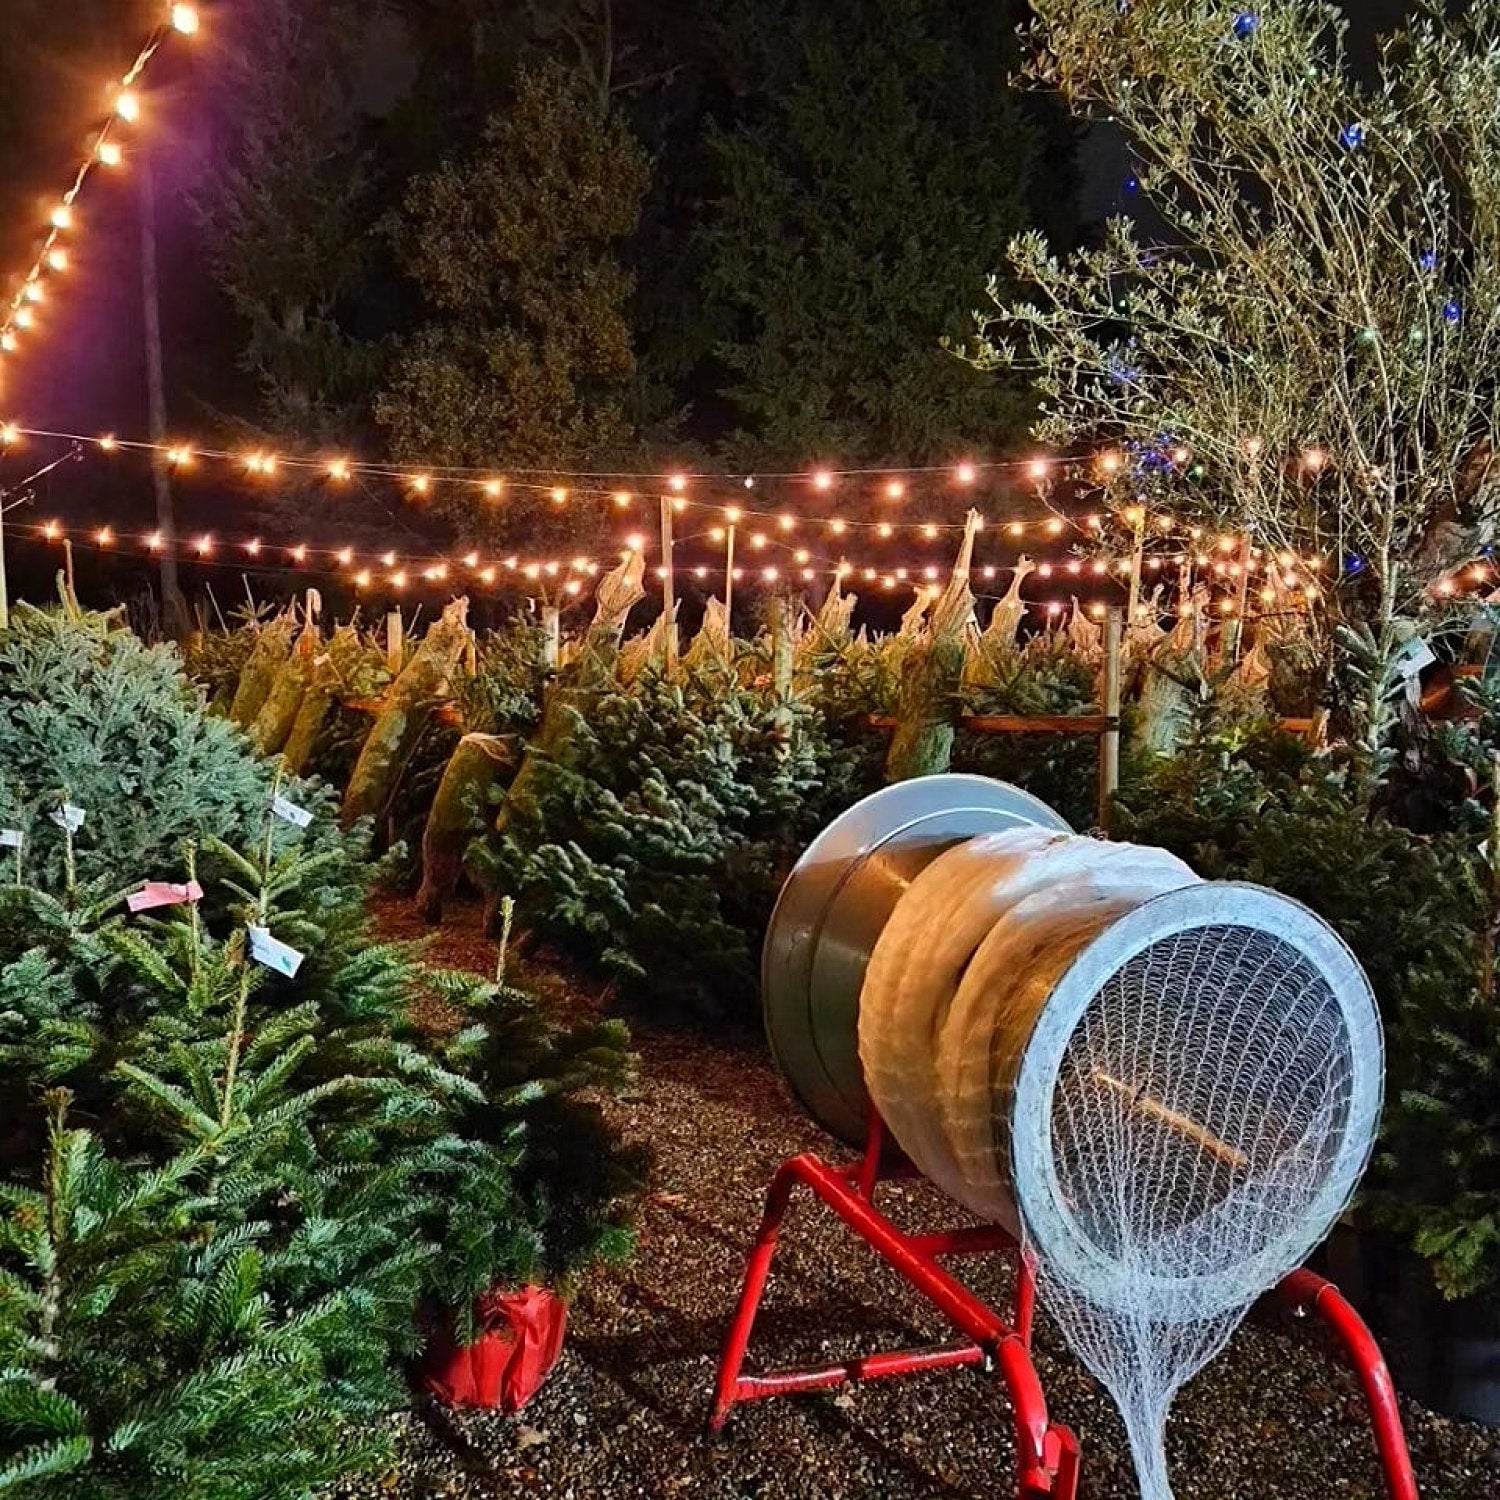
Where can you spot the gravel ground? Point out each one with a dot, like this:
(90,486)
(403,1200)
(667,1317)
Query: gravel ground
(624,1413)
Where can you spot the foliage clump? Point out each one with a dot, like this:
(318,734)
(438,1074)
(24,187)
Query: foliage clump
(92,717)
(655,836)
(210,1290)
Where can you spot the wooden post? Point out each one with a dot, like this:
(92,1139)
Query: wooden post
(552,626)
(668,584)
(4,590)
(394,642)
(68,568)
(729,582)
(1109,741)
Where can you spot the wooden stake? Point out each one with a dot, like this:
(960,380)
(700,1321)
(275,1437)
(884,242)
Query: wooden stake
(68,570)
(394,642)
(1137,562)
(729,583)
(669,585)
(1109,741)
(552,626)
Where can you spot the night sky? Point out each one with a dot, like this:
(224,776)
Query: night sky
(86,372)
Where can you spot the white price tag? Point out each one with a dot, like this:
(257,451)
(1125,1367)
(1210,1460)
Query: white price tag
(69,817)
(280,957)
(289,812)
(1413,658)
(12,838)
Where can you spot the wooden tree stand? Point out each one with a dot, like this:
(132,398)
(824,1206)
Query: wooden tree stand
(1047,1453)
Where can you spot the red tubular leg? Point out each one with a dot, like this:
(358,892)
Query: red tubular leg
(1305,1289)
(1025,1295)
(733,1358)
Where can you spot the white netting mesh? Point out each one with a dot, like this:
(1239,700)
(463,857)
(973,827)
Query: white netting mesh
(1174,1118)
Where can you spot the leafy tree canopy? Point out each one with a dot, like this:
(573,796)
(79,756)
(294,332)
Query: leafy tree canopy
(514,248)
(1321,324)
(877,164)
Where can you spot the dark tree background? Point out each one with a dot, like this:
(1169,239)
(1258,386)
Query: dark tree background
(562,233)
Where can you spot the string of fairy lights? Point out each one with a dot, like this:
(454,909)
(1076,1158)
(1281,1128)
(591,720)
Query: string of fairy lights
(105,150)
(781,545)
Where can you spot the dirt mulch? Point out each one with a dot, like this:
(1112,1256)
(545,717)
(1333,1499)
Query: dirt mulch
(624,1414)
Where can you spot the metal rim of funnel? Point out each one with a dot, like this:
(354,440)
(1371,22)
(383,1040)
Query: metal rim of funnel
(832,908)
(1051,1226)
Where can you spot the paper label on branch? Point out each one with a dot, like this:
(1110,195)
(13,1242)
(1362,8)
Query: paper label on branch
(12,838)
(273,953)
(69,817)
(157,893)
(289,812)
(1412,659)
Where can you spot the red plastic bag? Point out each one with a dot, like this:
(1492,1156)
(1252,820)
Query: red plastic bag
(521,1339)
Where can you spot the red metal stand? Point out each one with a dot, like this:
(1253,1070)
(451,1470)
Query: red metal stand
(1048,1456)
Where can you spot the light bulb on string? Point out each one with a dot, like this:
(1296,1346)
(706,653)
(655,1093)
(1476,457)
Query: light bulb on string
(895,490)
(185,19)
(128,106)
(109,154)
(57,259)
(822,480)
(494,488)
(965,474)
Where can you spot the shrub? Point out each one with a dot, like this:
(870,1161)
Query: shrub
(278,1171)
(654,838)
(90,716)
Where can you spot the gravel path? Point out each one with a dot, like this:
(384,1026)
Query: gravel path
(624,1413)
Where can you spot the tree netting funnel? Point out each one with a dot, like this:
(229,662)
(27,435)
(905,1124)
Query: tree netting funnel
(1168,1088)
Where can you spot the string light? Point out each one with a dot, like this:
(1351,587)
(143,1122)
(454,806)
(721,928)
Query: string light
(182,19)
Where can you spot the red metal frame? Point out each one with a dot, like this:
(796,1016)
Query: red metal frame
(1048,1455)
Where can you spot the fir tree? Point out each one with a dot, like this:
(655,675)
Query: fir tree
(525,358)
(90,716)
(876,161)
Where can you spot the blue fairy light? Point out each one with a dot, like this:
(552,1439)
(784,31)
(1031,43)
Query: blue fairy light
(1453,312)
(1352,137)
(1429,260)
(1246,24)
(1354,565)
(1132,184)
